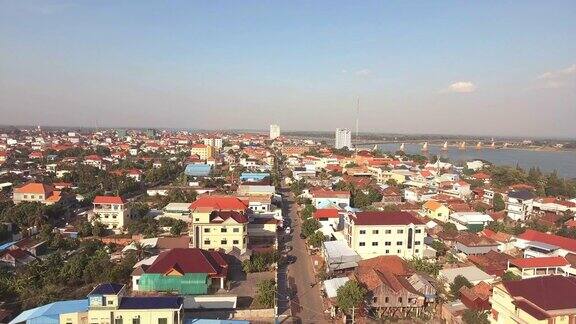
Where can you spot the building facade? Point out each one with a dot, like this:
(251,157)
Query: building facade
(372,234)
(111,211)
(274,131)
(343,138)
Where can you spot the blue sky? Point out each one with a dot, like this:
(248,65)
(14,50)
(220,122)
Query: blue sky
(467,67)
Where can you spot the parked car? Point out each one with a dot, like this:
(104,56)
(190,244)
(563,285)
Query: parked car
(287,230)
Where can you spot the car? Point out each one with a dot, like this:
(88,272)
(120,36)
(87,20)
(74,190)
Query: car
(290,259)
(288,230)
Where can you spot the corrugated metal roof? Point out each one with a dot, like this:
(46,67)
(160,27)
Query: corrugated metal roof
(51,311)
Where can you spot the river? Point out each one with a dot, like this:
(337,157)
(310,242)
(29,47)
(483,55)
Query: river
(564,162)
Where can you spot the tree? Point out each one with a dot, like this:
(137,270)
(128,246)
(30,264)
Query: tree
(498,202)
(459,282)
(450,228)
(316,239)
(392,182)
(475,317)
(98,229)
(177,228)
(431,268)
(510,276)
(350,295)
(309,226)
(266,292)
(440,247)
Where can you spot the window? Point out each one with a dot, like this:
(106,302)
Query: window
(374,231)
(236,230)
(25,196)
(400,231)
(206,230)
(196,219)
(374,243)
(387,251)
(388,232)
(416,251)
(399,251)
(399,299)
(223,242)
(362,244)
(387,243)
(386,300)
(362,231)
(417,243)
(136,321)
(110,302)
(374,299)
(32,196)
(162,321)
(118,321)
(223,230)
(207,242)
(418,231)
(235,242)
(399,243)
(243,240)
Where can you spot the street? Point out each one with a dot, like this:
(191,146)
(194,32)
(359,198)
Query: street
(305,300)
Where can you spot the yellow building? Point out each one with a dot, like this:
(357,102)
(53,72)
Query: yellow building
(108,304)
(435,210)
(203,151)
(372,234)
(548,299)
(220,222)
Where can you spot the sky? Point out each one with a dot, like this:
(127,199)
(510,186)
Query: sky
(450,67)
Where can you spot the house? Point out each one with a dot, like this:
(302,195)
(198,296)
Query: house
(538,244)
(330,199)
(472,273)
(177,210)
(109,303)
(493,263)
(470,221)
(51,313)
(550,299)
(542,266)
(473,244)
(184,271)
(111,211)
(477,297)
(339,256)
(372,234)
(16,257)
(220,222)
(198,170)
(95,161)
(391,195)
(505,241)
(435,210)
(519,204)
(37,192)
(328,218)
(390,290)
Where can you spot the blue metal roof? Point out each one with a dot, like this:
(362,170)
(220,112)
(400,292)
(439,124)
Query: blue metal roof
(254,175)
(50,313)
(198,170)
(6,245)
(151,302)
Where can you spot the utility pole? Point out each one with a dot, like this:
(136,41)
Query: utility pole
(353,317)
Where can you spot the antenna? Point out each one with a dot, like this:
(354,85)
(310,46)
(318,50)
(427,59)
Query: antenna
(357,115)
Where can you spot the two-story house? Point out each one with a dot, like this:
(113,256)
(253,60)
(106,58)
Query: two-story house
(435,210)
(330,199)
(111,211)
(36,192)
(220,222)
(372,234)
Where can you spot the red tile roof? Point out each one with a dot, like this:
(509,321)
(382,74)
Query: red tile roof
(385,218)
(109,200)
(330,194)
(556,261)
(35,188)
(562,242)
(220,216)
(219,203)
(548,292)
(326,213)
(190,261)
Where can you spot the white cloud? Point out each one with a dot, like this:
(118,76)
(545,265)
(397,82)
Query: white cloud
(557,78)
(461,87)
(363,72)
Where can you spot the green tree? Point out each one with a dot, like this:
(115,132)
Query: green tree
(309,226)
(498,202)
(510,276)
(475,317)
(440,247)
(177,228)
(450,228)
(316,239)
(351,294)
(421,265)
(459,282)
(98,229)
(266,293)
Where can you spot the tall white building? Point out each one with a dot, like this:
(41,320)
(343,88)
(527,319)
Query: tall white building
(274,131)
(343,138)
(213,141)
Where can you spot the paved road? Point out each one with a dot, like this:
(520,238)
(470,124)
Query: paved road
(306,303)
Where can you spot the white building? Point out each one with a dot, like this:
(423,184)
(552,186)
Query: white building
(274,131)
(215,142)
(519,204)
(343,138)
